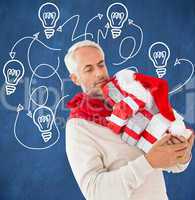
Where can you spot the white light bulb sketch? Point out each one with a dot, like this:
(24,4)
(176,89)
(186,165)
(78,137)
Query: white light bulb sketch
(117,14)
(13,71)
(159,54)
(49,15)
(43,118)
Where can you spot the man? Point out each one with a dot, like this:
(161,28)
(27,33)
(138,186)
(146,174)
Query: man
(104,166)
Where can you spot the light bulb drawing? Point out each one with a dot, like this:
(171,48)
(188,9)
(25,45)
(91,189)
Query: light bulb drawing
(117,15)
(159,54)
(49,15)
(43,118)
(13,71)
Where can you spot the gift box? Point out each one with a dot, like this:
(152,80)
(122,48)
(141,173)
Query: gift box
(142,113)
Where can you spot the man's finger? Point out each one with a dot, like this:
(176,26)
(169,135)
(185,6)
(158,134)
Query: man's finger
(164,139)
(191,140)
(181,138)
(179,146)
(180,153)
(175,140)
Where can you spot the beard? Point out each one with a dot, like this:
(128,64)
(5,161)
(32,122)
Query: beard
(95,92)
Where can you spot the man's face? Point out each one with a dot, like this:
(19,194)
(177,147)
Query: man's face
(91,70)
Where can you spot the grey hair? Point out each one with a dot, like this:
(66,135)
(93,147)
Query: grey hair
(69,57)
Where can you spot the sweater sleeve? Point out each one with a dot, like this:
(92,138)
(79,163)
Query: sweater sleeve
(94,179)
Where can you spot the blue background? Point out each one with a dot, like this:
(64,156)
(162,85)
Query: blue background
(30,174)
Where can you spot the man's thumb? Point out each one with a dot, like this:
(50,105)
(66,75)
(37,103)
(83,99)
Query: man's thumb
(164,139)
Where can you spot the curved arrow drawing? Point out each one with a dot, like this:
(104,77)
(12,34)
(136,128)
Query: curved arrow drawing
(133,53)
(59,29)
(35,38)
(104,35)
(98,16)
(50,66)
(19,109)
(29,48)
(120,50)
(56,108)
(29,113)
(12,53)
(28,52)
(55,71)
(177,62)
(142,36)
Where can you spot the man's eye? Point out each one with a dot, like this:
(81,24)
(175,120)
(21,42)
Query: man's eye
(101,65)
(88,70)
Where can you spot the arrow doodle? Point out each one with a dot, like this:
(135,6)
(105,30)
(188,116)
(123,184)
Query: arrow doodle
(29,48)
(19,109)
(98,16)
(178,62)
(59,29)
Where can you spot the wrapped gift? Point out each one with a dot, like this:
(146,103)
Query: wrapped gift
(141,109)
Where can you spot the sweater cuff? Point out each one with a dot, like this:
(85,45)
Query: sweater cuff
(178,168)
(185,165)
(142,166)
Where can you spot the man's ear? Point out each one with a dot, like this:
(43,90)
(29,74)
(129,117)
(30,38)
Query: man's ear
(75,79)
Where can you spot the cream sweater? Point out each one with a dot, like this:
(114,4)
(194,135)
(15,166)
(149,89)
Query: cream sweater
(106,168)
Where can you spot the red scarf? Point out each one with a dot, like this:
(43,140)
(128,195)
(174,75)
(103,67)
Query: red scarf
(89,108)
(94,109)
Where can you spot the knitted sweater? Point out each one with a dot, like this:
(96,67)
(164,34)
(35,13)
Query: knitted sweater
(106,168)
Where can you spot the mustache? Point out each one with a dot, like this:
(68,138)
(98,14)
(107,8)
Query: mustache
(100,80)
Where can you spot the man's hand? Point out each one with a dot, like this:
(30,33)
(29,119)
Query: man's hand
(164,155)
(188,152)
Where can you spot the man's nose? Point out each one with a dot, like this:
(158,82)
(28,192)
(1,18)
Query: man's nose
(99,72)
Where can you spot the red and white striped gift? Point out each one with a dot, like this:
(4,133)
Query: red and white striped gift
(125,105)
(139,122)
(135,127)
